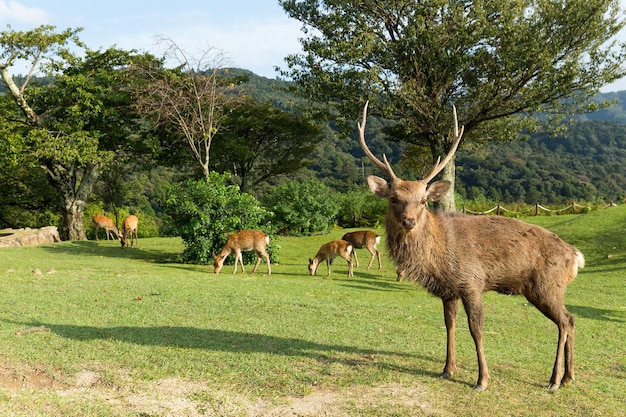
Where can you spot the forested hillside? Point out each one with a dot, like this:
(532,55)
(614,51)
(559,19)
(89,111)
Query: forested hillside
(586,162)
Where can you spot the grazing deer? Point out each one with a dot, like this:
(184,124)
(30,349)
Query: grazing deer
(130,228)
(328,252)
(364,239)
(456,256)
(107,224)
(244,241)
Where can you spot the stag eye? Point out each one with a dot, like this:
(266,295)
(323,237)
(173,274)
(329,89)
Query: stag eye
(424,201)
(393,200)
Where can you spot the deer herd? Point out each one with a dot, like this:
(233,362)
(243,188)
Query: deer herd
(129,225)
(453,256)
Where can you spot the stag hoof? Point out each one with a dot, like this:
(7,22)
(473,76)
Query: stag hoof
(445,375)
(479,388)
(553,387)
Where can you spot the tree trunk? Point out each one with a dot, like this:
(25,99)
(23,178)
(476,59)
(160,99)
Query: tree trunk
(73,225)
(74,184)
(447,201)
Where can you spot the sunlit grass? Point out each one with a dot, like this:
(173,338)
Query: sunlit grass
(135,320)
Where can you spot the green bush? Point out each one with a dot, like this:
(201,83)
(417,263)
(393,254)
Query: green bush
(361,209)
(204,214)
(302,208)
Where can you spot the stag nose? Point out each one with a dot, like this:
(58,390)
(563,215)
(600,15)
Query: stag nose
(408,223)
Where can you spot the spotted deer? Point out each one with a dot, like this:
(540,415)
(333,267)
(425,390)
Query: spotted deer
(458,257)
(364,239)
(100,221)
(244,241)
(328,252)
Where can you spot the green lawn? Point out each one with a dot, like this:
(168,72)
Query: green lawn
(125,333)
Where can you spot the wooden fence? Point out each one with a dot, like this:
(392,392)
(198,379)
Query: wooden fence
(538,209)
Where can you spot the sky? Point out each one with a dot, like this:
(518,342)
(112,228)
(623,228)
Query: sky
(252,34)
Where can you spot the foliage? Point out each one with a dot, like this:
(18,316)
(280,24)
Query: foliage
(585,163)
(360,209)
(302,208)
(497,62)
(73,125)
(188,102)
(260,141)
(204,213)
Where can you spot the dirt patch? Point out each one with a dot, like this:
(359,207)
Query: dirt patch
(181,398)
(28,378)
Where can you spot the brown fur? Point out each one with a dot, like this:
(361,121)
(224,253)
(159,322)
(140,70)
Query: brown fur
(100,221)
(364,239)
(244,241)
(456,256)
(328,252)
(130,225)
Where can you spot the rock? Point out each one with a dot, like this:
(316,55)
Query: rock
(28,236)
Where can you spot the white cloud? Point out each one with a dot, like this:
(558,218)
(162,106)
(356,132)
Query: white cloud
(14,12)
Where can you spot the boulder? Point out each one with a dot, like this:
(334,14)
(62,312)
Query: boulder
(28,236)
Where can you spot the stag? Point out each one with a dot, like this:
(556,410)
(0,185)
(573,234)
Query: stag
(456,256)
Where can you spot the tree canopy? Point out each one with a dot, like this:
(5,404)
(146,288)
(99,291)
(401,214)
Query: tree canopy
(498,62)
(73,126)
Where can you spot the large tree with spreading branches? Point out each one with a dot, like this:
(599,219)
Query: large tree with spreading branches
(74,124)
(500,63)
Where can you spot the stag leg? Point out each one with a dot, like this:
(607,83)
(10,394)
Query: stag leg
(475,317)
(450,308)
(554,309)
(569,354)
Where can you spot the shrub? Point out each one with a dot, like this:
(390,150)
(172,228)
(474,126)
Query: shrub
(204,214)
(302,208)
(361,209)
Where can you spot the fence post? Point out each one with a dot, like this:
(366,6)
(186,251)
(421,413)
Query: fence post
(536,209)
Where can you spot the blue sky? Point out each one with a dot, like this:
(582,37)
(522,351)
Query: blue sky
(252,34)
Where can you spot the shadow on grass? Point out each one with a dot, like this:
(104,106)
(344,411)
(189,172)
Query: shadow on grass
(597,313)
(233,341)
(108,249)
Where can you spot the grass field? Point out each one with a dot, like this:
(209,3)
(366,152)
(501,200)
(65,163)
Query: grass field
(89,329)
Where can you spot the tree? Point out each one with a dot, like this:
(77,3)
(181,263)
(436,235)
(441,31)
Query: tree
(73,126)
(188,101)
(498,62)
(261,141)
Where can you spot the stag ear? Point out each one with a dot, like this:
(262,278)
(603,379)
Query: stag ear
(436,190)
(378,186)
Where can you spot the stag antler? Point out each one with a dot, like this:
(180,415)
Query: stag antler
(385,167)
(458,134)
